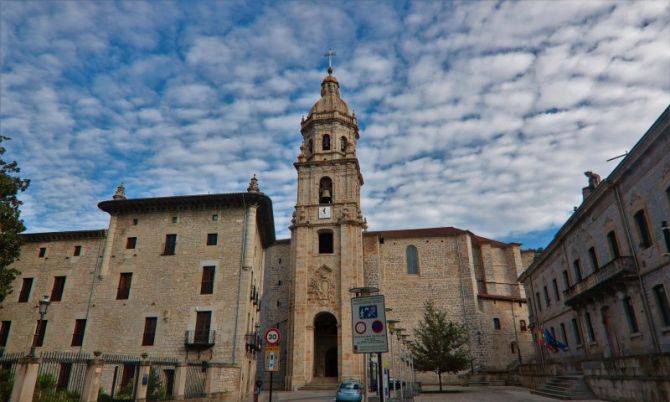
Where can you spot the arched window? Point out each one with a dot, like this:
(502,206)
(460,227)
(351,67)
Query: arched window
(343,144)
(513,347)
(642,229)
(326,142)
(412,260)
(522,325)
(325,191)
(326,242)
(496,323)
(310,146)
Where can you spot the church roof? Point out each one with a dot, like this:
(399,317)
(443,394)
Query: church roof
(436,232)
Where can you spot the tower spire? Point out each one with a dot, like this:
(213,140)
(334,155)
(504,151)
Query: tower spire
(330,53)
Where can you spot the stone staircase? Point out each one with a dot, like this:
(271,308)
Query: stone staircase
(321,384)
(565,387)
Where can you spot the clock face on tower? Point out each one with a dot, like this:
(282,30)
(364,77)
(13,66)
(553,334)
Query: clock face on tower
(324,212)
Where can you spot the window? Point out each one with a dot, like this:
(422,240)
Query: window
(662,302)
(135,222)
(630,314)
(63,376)
(537,299)
(547,301)
(215,217)
(278,303)
(325,191)
(77,251)
(25,290)
(564,334)
(170,244)
(212,239)
(4,333)
(553,332)
(123,292)
(326,142)
(589,327)
(175,219)
(513,347)
(566,280)
(57,289)
(131,243)
(666,235)
(594,259)
(78,335)
(496,323)
(578,270)
(41,332)
(343,144)
(614,245)
(412,260)
(279,282)
(325,242)
(202,324)
(522,325)
(207,284)
(575,332)
(43,252)
(558,296)
(128,374)
(642,229)
(149,331)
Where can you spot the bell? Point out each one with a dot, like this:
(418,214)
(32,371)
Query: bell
(325,194)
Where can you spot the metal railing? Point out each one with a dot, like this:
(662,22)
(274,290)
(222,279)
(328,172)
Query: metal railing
(613,269)
(200,338)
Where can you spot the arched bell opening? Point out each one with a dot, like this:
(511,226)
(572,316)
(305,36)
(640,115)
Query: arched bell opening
(325,191)
(325,345)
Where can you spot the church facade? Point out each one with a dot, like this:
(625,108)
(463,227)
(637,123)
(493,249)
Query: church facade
(199,278)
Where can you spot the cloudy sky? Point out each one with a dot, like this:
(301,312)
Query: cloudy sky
(480,115)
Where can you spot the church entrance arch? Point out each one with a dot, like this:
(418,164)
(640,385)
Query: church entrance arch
(325,345)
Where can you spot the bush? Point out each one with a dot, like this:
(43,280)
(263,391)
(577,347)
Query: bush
(155,389)
(6,384)
(45,391)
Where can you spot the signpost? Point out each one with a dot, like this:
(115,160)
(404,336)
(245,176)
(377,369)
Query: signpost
(368,320)
(272,353)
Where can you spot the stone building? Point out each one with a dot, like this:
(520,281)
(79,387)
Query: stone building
(600,286)
(170,277)
(182,276)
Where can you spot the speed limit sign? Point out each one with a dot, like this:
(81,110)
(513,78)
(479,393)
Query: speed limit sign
(272,336)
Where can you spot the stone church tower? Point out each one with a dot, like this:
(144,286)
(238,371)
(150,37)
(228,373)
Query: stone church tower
(326,244)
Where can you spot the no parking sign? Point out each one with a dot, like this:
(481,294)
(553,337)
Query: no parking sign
(369,324)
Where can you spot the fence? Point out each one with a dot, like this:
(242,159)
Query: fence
(8,361)
(196,372)
(63,371)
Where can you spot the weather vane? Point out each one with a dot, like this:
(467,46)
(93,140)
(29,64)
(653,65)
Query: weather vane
(330,55)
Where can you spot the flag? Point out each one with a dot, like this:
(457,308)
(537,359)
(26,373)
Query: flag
(553,342)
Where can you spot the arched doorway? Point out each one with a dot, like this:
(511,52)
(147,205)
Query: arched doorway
(325,345)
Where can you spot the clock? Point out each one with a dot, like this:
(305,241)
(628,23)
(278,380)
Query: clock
(324,212)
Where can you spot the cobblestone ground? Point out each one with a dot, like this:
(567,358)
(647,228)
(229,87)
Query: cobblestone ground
(455,394)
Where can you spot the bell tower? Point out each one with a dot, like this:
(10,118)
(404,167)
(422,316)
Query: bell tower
(326,244)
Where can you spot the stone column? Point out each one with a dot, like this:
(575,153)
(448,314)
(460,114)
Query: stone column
(92,380)
(249,237)
(142,384)
(179,390)
(25,379)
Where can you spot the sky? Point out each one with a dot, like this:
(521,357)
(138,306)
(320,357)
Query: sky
(478,115)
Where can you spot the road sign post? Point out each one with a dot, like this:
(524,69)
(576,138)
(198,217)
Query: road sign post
(368,321)
(272,352)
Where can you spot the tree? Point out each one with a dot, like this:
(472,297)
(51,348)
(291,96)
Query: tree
(439,344)
(10,223)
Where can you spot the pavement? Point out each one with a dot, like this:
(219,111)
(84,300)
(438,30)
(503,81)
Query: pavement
(452,394)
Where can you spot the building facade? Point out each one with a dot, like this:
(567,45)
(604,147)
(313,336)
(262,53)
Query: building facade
(200,277)
(600,286)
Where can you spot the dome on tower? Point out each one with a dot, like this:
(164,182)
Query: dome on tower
(330,97)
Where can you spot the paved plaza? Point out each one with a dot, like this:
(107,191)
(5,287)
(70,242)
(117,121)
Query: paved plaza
(454,394)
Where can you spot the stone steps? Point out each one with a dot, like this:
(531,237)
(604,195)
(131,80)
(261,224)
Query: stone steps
(565,387)
(322,384)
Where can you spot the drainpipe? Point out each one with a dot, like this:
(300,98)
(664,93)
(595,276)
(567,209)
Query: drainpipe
(585,345)
(239,278)
(645,300)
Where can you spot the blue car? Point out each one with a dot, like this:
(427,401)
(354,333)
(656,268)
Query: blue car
(349,391)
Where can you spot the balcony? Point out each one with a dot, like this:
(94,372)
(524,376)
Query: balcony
(614,273)
(200,339)
(252,342)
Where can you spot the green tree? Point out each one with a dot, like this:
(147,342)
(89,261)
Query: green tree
(439,345)
(10,223)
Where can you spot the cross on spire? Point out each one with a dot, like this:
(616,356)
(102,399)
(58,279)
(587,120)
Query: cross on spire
(330,53)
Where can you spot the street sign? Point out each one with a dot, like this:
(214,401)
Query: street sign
(368,318)
(272,336)
(272,358)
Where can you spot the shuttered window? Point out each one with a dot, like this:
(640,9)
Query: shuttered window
(78,335)
(57,289)
(412,255)
(207,284)
(149,331)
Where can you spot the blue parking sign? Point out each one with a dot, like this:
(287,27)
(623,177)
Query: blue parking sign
(367,312)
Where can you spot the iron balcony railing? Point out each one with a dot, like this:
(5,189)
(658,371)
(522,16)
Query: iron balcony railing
(613,270)
(200,339)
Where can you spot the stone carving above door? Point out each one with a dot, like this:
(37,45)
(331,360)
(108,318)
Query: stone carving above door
(322,285)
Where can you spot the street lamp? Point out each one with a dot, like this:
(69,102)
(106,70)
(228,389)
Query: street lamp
(43,306)
(391,324)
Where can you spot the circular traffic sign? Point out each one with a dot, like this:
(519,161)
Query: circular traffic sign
(360,327)
(377,326)
(272,336)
